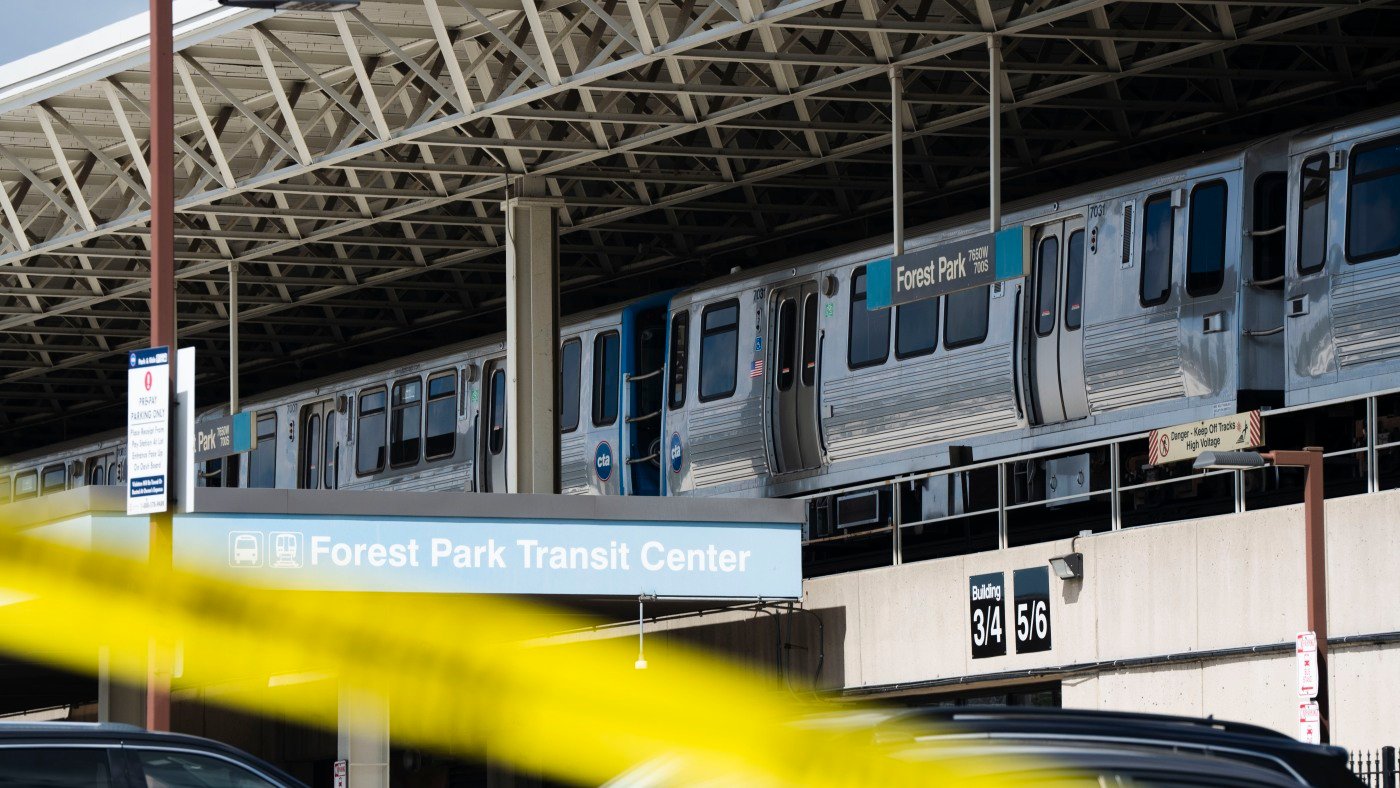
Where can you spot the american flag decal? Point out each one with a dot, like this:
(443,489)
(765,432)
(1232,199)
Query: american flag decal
(756,368)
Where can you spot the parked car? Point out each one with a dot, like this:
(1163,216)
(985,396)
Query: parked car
(91,755)
(1075,732)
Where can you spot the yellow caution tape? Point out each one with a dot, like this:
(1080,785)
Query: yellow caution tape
(455,670)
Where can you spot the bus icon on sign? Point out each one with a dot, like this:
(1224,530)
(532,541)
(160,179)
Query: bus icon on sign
(245,548)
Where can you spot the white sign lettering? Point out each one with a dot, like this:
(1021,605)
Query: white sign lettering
(147,430)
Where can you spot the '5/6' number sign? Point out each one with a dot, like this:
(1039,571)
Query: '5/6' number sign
(1032,609)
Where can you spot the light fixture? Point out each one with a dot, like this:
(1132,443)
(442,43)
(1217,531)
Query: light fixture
(294,5)
(1229,460)
(1068,566)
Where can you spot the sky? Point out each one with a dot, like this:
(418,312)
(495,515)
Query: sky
(29,26)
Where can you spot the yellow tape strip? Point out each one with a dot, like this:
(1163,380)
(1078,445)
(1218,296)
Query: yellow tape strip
(454,669)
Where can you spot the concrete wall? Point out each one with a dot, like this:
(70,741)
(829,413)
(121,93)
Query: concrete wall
(1216,583)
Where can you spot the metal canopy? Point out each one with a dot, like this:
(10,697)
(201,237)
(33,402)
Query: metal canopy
(354,173)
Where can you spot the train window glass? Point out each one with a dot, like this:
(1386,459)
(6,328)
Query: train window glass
(5,489)
(311,441)
(1047,274)
(809,340)
(1270,205)
(719,350)
(262,460)
(606,369)
(406,422)
(868,341)
(54,479)
(98,476)
(915,328)
(440,435)
(680,344)
(330,454)
(213,475)
(369,450)
(1315,180)
(1373,201)
(496,443)
(1074,281)
(965,319)
(570,368)
(230,478)
(787,339)
(1155,287)
(26,485)
(1205,239)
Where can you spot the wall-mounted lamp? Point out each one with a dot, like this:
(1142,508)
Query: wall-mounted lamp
(1070,566)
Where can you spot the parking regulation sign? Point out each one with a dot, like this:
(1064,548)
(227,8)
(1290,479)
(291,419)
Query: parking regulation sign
(147,430)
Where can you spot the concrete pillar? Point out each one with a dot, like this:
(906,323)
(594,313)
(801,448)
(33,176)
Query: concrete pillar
(532,339)
(362,738)
(117,702)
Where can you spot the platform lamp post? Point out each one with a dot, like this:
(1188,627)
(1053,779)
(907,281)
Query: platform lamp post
(1314,544)
(162,245)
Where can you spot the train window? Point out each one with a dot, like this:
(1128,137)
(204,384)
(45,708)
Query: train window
(1270,206)
(406,422)
(680,344)
(787,341)
(868,340)
(965,320)
(310,448)
(1315,180)
(570,368)
(1047,275)
(369,452)
(915,328)
(1373,201)
(606,368)
(5,488)
(809,340)
(496,442)
(230,477)
(330,454)
(26,485)
(719,350)
(1155,286)
(262,460)
(98,475)
(1074,281)
(1205,239)
(54,479)
(440,434)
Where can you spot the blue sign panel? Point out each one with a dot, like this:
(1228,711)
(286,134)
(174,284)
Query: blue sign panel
(677,452)
(603,461)
(946,268)
(470,555)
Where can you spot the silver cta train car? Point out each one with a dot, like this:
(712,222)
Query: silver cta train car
(1264,275)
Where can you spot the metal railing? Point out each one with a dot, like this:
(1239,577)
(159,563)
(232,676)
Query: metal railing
(1376,768)
(1010,501)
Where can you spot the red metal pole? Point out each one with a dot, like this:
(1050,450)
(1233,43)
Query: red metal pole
(162,165)
(1315,561)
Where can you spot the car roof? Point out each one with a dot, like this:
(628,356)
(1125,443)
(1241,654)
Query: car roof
(117,733)
(1315,764)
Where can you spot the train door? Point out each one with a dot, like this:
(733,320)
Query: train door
(644,368)
(792,391)
(491,470)
(318,459)
(1053,327)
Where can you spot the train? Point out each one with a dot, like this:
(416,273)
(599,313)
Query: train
(1258,276)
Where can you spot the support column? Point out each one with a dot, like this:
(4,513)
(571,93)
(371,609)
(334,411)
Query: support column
(532,339)
(994,135)
(118,702)
(362,738)
(897,138)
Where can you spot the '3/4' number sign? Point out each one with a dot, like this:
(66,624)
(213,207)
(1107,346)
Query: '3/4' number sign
(985,594)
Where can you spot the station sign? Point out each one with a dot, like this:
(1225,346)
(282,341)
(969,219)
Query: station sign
(224,436)
(147,430)
(946,268)
(987,614)
(1187,441)
(469,555)
(1032,588)
(1305,655)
